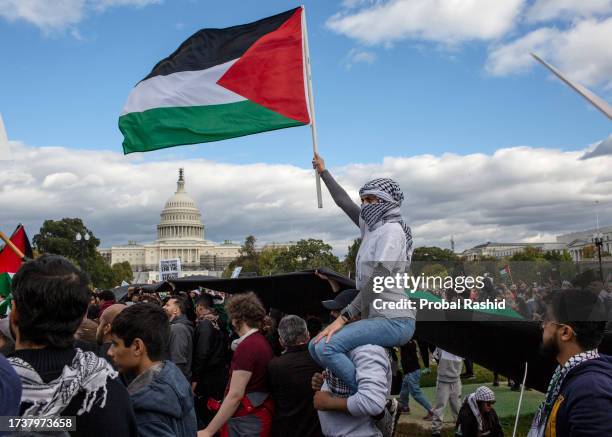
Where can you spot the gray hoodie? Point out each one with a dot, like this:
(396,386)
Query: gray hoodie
(181,344)
(374,385)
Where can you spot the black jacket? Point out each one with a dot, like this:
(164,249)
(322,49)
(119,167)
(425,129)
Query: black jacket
(210,356)
(467,425)
(115,419)
(289,381)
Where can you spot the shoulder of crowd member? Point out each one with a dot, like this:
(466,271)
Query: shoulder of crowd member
(115,418)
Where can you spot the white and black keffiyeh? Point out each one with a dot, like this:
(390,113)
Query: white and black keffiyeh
(482,394)
(87,373)
(554,388)
(387,210)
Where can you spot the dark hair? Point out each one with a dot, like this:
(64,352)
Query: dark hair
(247,308)
(51,296)
(106,295)
(583,311)
(93,312)
(206,300)
(145,321)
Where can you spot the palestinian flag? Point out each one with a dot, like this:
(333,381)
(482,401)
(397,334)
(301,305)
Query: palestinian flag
(504,271)
(220,84)
(10,264)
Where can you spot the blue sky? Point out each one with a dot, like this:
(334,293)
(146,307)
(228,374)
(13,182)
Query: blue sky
(66,87)
(442,96)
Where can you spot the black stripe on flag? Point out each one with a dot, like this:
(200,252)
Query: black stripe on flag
(209,47)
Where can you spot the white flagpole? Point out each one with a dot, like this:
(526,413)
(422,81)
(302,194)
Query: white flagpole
(313,125)
(591,97)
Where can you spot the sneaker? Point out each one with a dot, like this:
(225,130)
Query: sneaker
(429,417)
(404,409)
(387,423)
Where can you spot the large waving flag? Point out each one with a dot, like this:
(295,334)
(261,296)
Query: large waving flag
(10,263)
(220,84)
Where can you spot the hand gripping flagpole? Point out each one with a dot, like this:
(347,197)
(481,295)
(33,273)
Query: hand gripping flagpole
(313,125)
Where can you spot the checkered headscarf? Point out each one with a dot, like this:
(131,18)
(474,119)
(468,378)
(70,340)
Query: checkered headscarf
(482,394)
(336,385)
(387,210)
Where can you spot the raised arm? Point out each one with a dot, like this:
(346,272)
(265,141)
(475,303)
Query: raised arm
(340,196)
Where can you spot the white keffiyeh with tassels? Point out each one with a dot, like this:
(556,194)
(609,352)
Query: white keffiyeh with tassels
(87,373)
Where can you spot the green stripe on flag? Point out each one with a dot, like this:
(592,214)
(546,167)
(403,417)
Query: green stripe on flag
(5,284)
(159,128)
(5,292)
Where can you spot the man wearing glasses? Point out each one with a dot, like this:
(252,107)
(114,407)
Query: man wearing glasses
(579,397)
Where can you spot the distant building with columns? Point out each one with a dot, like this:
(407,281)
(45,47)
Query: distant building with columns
(576,242)
(180,234)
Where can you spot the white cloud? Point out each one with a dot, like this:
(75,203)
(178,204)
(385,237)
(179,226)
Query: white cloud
(602,148)
(57,15)
(359,56)
(444,21)
(583,52)
(104,4)
(546,10)
(516,194)
(45,14)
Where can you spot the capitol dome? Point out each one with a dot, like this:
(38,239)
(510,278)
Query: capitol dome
(180,218)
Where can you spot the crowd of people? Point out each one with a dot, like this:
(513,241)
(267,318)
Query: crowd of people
(186,364)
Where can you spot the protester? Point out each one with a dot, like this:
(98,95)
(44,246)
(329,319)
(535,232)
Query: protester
(289,378)
(161,397)
(448,388)
(181,334)
(579,397)
(50,300)
(103,333)
(10,389)
(87,332)
(411,384)
(210,358)
(247,407)
(107,298)
(7,342)
(386,242)
(477,417)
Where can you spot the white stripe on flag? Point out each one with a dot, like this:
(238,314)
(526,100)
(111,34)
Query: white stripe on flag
(185,88)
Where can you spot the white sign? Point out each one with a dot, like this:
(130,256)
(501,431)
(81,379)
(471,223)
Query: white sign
(236,272)
(169,269)
(5,151)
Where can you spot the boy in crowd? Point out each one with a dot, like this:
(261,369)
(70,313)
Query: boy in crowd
(50,301)
(161,396)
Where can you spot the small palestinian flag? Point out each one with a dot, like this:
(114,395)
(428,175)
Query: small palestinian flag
(504,271)
(10,264)
(220,84)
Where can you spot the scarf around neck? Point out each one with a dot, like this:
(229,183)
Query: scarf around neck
(87,373)
(387,210)
(554,388)
(239,340)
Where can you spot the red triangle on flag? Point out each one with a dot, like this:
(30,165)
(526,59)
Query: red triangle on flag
(9,261)
(271,71)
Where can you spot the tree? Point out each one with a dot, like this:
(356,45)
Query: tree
(433,253)
(248,258)
(555,255)
(59,237)
(348,264)
(122,272)
(308,254)
(527,254)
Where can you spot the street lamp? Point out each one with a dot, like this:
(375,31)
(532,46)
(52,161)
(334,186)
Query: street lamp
(82,242)
(597,239)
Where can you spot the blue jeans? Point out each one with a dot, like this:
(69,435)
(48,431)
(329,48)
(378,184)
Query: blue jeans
(411,385)
(378,331)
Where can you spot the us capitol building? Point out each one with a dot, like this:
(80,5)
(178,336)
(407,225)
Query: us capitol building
(180,234)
